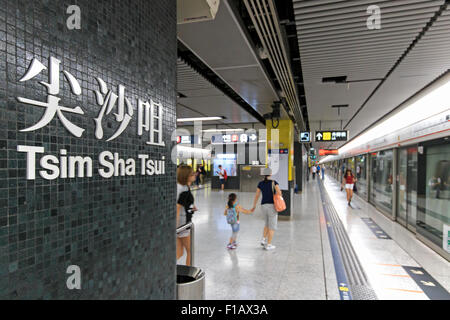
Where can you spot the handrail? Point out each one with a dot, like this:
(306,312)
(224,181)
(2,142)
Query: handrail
(189,226)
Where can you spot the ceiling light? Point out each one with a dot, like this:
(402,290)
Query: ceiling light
(199,119)
(341,79)
(223,130)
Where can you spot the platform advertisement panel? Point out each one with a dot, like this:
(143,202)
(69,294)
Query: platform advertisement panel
(446,238)
(228,162)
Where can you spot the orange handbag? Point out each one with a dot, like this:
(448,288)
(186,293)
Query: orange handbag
(278,200)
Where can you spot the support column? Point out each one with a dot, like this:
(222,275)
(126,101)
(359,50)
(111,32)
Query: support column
(280,144)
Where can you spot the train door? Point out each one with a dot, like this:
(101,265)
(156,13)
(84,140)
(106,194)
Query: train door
(407,187)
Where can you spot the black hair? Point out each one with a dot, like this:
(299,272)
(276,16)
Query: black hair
(231,198)
(266,178)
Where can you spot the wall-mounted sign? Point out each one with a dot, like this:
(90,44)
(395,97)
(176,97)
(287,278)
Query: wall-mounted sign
(305,136)
(326,152)
(331,135)
(110,103)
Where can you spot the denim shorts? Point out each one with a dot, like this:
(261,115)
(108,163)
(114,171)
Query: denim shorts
(235,227)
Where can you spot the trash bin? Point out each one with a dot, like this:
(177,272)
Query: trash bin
(190,283)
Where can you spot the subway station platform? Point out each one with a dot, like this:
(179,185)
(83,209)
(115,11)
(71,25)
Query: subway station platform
(382,260)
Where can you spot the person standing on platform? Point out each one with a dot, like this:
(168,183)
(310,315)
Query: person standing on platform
(185,209)
(314,169)
(323,172)
(267,188)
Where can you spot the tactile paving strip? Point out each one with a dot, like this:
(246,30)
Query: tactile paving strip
(357,280)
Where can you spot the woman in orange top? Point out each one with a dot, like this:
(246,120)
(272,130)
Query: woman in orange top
(349,182)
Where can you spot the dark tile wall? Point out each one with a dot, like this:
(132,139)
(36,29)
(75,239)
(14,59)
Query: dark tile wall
(119,231)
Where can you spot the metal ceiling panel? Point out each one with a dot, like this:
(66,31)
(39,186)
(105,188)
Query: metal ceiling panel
(204,99)
(222,45)
(334,40)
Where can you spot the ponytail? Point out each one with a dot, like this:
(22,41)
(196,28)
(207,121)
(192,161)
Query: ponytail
(231,198)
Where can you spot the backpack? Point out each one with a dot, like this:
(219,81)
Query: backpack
(225,174)
(231,215)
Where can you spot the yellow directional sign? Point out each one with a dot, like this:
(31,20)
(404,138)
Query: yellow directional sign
(331,135)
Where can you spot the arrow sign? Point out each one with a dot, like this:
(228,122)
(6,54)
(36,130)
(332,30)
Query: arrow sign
(319,136)
(253,137)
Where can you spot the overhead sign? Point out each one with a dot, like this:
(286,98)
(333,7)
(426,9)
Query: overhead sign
(234,138)
(341,135)
(305,136)
(326,152)
(187,140)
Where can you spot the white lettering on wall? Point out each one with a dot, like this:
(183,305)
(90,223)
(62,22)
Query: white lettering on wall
(31,159)
(75,166)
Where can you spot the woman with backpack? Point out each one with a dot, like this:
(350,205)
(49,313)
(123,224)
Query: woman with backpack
(185,209)
(268,188)
(232,211)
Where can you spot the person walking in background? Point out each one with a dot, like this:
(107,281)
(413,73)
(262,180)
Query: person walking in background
(232,211)
(348,181)
(323,172)
(197,175)
(267,188)
(185,209)
(222,177)
(202,174)
(314,169)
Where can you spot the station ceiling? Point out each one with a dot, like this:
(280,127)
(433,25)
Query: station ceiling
(384,67)
(224,47)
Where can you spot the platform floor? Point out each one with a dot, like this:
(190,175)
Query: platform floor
(301,267)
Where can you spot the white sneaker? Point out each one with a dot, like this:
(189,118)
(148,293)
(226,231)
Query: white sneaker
(269,247)
(263,242)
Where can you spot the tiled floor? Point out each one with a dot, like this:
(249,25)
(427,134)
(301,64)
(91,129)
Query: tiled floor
(301,267)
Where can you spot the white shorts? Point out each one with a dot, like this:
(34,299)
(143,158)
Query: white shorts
(349,186)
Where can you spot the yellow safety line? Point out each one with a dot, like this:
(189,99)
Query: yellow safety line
(405,290)
(390,265)
(396,275)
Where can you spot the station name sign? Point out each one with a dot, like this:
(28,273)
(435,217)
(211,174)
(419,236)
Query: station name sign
(341,135)
(110,102)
